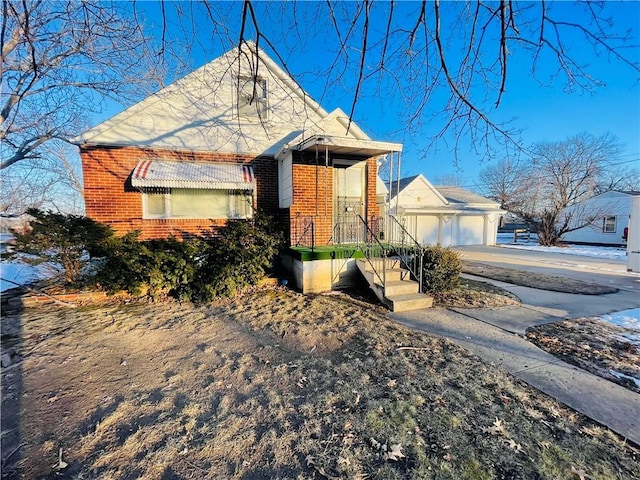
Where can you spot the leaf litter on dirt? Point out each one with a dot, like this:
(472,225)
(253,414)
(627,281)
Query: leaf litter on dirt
(277,385)
(593,345)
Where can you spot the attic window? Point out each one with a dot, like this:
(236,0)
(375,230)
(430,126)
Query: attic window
(252,97)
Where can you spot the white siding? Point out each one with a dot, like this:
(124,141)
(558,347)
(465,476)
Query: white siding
(419,194)
(199,113)
(633,246)
(615,204)
(285,179)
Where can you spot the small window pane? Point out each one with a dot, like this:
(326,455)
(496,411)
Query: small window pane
(252,96)
(241,205)
(155,204)
(609,225)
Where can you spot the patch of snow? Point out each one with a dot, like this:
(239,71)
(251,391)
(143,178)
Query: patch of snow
(629,319)
(627,377)
(611,253)
(16,272)
(626,318)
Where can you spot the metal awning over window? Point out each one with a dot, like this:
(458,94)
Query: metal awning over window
(200,175)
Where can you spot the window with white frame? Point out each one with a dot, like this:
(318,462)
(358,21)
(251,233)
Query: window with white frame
(197,204)
(609,224)
(253,98)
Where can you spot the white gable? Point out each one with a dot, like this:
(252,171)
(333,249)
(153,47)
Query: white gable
(419,193)
(199,112)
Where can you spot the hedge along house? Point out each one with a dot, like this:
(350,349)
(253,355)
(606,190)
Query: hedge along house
(446,216)
(232,137)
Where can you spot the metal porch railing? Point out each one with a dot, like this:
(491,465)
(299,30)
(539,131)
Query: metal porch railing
(405,248)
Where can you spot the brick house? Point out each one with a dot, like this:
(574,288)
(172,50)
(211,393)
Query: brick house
(234,136)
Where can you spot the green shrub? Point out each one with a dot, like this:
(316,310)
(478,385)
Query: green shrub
(441,269)
(238,256)
(155,267)
(193,269)
(67,241)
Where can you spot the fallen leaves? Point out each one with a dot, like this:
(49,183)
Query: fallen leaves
(496,429)
(579,473)
(392,452)
(513,445)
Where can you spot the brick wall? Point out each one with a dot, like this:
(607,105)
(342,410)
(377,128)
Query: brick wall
(311,183)
(110,198)
(313,195)
(372,174)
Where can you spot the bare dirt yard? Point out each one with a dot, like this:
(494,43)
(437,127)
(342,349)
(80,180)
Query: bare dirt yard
(275,385)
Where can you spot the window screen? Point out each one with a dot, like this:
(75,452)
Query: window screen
(155,204)
(252,96)
(199,203)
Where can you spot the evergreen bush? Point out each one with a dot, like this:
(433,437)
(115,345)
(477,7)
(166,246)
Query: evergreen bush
(441,269)
(66,242)
(196,269)
(238,256)
(234,257)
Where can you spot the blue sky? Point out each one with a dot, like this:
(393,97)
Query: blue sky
(308,43)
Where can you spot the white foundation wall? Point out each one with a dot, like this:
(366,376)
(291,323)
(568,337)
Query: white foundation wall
(317,276)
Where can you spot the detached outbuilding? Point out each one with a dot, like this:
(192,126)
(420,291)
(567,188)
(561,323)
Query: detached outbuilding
(446,216)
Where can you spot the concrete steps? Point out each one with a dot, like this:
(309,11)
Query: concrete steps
(412,301)
(400,293)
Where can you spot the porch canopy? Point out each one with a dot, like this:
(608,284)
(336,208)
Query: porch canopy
(348,146)
(197,175)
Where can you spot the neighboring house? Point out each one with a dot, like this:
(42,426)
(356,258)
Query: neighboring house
(446,216)
(234,136)
(611,211)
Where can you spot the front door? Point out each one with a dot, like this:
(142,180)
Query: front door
(349,202)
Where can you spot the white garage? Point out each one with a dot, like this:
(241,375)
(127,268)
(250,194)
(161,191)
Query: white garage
(446,216)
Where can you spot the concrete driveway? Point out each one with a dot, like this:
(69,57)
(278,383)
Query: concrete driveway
(497,335)
(543,306)
(589,269)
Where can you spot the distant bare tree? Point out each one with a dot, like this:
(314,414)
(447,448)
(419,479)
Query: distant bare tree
(56,56)
(60,61)
(450,180)
(505,181)
(619,177)
(51,182)
(559,175)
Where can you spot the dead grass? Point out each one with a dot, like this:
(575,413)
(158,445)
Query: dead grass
(594,345)
(475,294)
(275,385)
(535,280)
